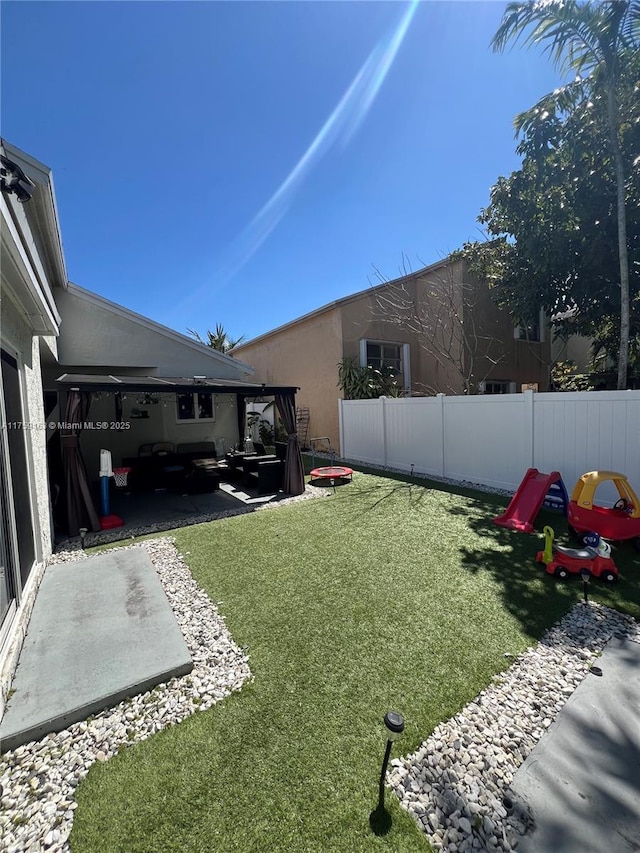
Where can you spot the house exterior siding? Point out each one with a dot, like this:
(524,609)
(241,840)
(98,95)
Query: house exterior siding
(18,342)
(31,268)
(517,360)
(305,354)
(307,351)
(96,333)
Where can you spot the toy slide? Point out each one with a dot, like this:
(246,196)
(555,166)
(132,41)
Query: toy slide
(526,502)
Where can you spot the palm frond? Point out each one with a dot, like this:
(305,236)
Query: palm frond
(560,101)
(575,35)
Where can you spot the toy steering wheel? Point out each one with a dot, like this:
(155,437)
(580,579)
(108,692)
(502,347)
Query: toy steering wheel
(621,503)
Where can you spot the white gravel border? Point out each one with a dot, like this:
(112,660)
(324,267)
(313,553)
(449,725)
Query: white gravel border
(456,784)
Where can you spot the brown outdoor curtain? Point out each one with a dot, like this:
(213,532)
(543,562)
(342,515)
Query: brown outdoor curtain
(293,468)
(80,509)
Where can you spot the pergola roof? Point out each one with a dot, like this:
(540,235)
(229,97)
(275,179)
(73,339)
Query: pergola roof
(167,384)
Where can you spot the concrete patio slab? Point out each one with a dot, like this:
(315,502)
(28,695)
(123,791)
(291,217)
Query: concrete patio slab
(101,629)
(582,781)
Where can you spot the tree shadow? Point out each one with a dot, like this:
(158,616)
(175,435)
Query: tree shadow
(528,591)
(534,597)
(591,777)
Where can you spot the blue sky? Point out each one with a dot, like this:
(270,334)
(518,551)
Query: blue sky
(246,162)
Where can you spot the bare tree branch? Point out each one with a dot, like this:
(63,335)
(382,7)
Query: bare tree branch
(445,314)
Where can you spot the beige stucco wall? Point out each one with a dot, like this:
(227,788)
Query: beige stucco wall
(307,352)
(365,318)
(406,312)
(306,355)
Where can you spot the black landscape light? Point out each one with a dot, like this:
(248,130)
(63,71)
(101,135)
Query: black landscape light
(380,819)
(585,574)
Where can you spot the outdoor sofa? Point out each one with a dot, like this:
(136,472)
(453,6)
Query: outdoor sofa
(191,466)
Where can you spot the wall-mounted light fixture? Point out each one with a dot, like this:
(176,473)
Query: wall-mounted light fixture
(13,180)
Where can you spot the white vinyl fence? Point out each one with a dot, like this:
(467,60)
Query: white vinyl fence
(493,439)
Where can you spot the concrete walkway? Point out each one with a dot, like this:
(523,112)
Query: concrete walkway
(582,781)
(101,629)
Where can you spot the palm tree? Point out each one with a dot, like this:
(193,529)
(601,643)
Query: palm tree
(592,38)
(218,340)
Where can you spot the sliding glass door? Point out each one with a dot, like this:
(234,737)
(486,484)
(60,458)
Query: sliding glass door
(17,543)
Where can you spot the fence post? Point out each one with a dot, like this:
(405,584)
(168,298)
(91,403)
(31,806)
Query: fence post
(529,428)
(342,451)
(382,401)
(442,450)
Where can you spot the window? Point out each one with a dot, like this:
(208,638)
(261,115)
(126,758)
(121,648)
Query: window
(497,386)
(532,332)
(388,357)
(195,407)
(381,356)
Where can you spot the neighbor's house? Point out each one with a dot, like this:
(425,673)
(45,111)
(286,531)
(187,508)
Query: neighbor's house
(70,356)
(437,328)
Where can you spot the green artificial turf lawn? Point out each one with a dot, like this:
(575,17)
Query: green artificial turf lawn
(385,595)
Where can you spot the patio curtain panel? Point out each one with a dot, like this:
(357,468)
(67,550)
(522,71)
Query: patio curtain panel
(242,419)
(293,468)
(80,509)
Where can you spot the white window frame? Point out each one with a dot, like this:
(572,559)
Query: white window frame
(405,350)
(511,387)
(196,419)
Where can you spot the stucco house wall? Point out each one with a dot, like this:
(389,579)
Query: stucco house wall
(400,312)
(95,333)
(517,360)
(305,354)
(100,336)
(17,339)
(32,267)
(306,351)
(49,327)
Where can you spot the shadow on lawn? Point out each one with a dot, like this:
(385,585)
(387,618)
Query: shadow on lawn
(534,597)
(530,593)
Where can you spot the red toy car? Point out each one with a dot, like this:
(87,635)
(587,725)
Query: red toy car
(562,561)
(619,522)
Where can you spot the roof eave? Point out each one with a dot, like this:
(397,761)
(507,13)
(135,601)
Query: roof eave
(338,303)
(44,200)
(147,323)
(167,385)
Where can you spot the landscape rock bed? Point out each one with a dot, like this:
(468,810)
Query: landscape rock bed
(457,784)
(38,780)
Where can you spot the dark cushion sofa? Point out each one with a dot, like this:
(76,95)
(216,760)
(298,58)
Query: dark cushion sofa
(192,466)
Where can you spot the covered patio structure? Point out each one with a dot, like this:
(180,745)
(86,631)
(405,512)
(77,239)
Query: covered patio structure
(122,413)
